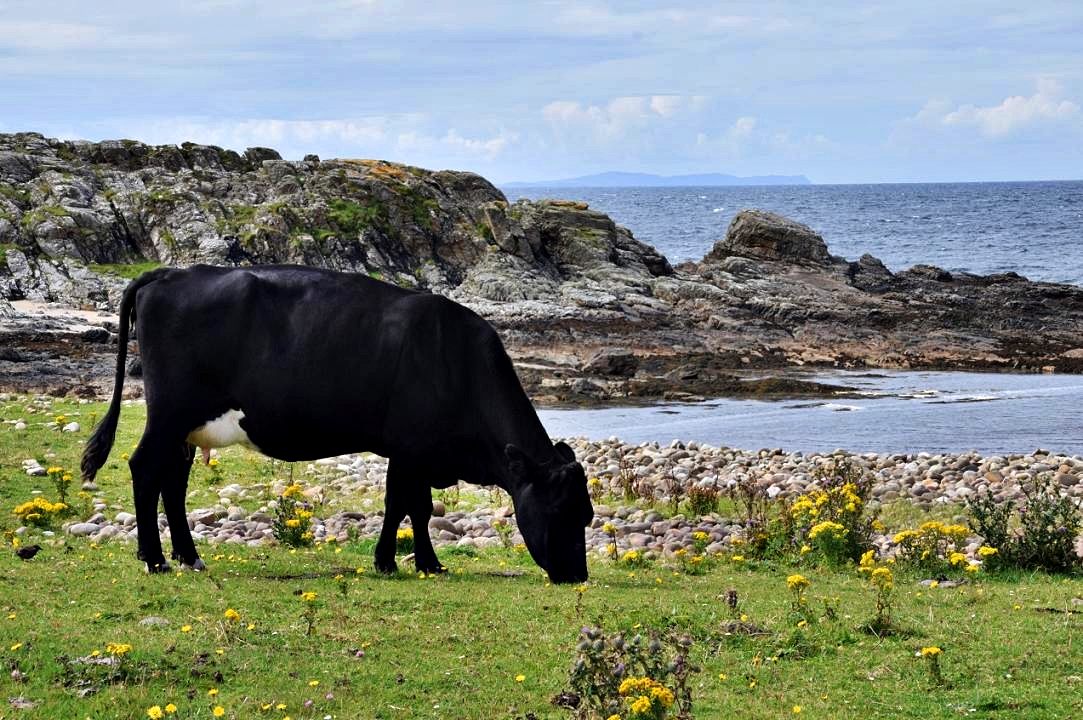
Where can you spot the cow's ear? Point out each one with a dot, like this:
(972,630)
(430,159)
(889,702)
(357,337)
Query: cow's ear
(518,463)
(565,452)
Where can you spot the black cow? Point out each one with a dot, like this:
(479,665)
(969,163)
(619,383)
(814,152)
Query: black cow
(300,364)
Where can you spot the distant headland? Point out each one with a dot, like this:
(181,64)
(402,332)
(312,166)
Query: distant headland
(630,179)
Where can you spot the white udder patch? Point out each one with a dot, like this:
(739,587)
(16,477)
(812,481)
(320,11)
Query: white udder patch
(222,431)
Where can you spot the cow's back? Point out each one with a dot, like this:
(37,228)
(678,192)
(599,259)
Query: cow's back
(321,363)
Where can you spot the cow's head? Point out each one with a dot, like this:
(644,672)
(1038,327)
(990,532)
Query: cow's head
(553,507)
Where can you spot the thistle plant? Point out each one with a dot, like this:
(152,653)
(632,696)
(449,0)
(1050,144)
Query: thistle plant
(638,678)
(1048,523)
(504,531)
(703,500)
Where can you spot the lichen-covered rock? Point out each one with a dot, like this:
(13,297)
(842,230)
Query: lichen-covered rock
(586,311)
(764,235)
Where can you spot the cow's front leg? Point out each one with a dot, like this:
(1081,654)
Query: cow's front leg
(419,507)
(146,470)
(174,490)
(394,512)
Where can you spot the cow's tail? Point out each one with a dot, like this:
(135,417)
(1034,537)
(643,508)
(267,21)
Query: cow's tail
(101,441)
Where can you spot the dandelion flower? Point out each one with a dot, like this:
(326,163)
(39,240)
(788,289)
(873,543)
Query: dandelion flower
(520,678)
(232,615)
(213,692)
(313,683)
(154,712)
(186,628)
(170,709)
(218,711)
(308,596)
(796,709)
(931,651)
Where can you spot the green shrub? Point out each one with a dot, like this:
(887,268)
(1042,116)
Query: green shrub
(1048,523)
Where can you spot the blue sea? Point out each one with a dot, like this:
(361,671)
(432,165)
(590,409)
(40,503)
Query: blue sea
(1034,229)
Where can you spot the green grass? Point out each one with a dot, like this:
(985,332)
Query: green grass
(453,646)
(127,270)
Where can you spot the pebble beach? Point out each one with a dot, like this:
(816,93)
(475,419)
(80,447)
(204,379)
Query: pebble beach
(469,515)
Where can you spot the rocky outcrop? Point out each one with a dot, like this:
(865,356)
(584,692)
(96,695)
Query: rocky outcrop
(587,312)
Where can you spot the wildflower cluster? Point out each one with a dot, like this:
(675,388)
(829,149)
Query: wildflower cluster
(41,512)
(404,541)
(308,598)
(931,655)
(646,699)
(797,584)
(933,546)
(691,563)
(1048,523)
(632,678)
(61,481)
(882,581)
(611,547)
(292,525)
(834,519)
(633,559)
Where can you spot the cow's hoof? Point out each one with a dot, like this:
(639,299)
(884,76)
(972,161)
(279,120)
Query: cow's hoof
(162,567)
(387,568)
(196,566)
(432,569)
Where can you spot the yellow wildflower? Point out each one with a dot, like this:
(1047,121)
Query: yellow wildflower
(154,712)
(308,596)
(218,711)
(232,615)
(170,709)
(931,651)
(797,582)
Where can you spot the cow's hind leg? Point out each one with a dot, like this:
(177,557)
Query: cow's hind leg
(150,466)
(174,490)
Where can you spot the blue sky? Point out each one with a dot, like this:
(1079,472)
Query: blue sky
(840,92)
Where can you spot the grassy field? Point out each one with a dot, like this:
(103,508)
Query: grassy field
(85,633)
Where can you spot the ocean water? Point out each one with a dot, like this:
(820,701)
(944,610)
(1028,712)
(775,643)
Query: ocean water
(912,412)
(1033,228)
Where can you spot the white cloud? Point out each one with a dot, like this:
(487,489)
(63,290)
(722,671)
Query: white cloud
(1013,115)
(620,116)
(488,148)
(741,129)
(239,134)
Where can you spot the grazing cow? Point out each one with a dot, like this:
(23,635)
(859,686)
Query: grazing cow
(300,364)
